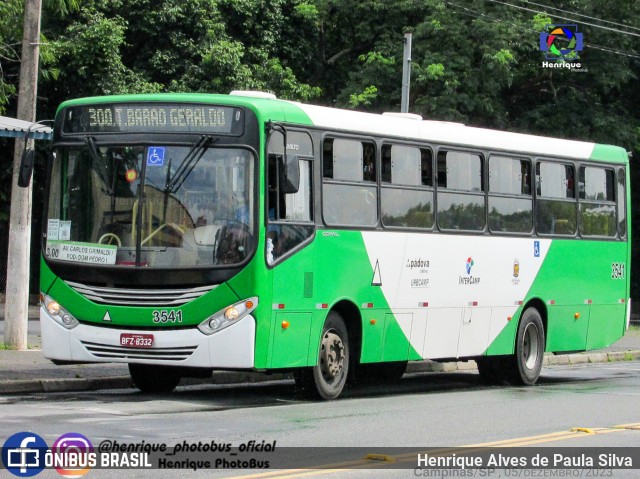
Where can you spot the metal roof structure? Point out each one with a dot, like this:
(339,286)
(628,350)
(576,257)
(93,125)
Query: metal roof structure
(13,127)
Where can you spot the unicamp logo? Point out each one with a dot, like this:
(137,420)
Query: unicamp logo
(561,45)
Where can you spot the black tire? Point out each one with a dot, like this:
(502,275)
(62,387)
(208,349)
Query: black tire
(327,379)
(150,378)
(526,364)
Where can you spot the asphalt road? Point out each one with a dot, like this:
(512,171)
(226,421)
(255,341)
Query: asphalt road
(423,411)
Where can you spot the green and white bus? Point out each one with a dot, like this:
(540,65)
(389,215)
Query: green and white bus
(186,233)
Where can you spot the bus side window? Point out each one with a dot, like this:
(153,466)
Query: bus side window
(621,201)
(555,204)
(510,200)
(597,202)
(461,199)
(349,178)
(407,187)
(289,215)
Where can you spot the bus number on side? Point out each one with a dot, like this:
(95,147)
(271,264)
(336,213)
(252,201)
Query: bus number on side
(617,270)
(165,316)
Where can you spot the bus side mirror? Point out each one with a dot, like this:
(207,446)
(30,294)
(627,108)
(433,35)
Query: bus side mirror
(26,168)
(290,175)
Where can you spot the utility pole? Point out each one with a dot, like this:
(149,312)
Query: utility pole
(16,311)
(406,73)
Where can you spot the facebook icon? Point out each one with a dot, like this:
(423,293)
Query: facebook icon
(23,454)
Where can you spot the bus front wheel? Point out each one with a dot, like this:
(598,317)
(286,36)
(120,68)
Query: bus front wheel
(328,378)
(150,378)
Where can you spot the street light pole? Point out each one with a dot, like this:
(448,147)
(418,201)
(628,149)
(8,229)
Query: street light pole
(18,258)
(406,73)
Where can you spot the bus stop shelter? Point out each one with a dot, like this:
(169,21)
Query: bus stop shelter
(12,127)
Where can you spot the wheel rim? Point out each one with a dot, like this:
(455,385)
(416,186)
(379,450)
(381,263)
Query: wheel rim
(332,356)
(530,350)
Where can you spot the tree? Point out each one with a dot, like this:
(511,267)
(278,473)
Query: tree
(10,39)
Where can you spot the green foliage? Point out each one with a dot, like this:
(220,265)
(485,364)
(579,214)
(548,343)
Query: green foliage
(10,38)
(90,50)
(365,98)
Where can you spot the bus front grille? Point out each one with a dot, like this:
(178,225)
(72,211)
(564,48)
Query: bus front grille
(139,297)
(108,351)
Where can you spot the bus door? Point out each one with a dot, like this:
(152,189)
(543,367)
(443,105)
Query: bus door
(289,229)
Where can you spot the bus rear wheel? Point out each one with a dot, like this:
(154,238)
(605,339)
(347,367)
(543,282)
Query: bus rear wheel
(150,378)
(327,379)
(525,366)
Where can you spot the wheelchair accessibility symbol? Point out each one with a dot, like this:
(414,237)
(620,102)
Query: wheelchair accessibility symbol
(155,156)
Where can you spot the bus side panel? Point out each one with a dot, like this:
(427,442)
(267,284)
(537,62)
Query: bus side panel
(606,324)
(583,298)
(461,290)
(333,268)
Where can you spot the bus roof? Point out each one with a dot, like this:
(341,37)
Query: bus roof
(459,134)
(386,125)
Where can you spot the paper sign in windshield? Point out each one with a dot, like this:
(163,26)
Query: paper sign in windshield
(82,252)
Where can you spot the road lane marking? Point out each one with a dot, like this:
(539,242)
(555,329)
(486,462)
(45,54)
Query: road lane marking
(371,461)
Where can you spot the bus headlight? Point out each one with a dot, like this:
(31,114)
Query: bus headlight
(58,313)
(228,316)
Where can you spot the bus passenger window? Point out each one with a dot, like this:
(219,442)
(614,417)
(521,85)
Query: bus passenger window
(555,205)
(621,201)
(510,201)
(597,202)
(407,180)
(461,199)
(349,169)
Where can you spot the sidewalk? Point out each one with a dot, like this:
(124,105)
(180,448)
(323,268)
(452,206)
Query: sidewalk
(28,371)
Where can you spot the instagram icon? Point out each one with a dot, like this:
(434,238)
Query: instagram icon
(73,455)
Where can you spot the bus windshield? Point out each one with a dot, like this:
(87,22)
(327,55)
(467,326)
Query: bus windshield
(151,206)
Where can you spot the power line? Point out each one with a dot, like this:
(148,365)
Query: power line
(581,15)
(476,14)
(567,18)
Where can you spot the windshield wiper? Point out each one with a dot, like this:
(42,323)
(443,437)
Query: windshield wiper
(100,166)
(189,163)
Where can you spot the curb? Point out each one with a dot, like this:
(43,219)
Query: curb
(63,385)
(550,359)
(21,386)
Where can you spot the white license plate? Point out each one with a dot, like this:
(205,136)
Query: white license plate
(130,340)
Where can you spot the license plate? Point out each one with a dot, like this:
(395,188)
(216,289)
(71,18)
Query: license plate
(129,340)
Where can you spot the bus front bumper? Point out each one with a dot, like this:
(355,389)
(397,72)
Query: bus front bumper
(231,348)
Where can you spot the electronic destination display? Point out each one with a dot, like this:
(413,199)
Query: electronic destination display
(153,117)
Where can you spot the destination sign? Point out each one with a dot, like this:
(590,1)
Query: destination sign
(153,117)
